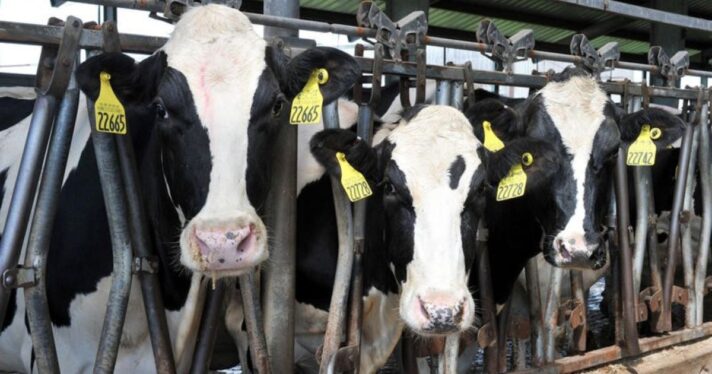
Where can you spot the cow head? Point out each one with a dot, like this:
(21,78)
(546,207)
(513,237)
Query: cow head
(571,196)
(217,90)
(426,175)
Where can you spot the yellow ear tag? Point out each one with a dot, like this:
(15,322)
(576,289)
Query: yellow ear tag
(492,142)
(354,183)
(109,114)
(306,106)
(515,183)
(642,151)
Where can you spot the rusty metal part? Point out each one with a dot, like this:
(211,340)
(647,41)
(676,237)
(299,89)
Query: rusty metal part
(420,76)
(578,318)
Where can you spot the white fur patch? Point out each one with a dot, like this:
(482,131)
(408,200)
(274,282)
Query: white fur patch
(425,148)
(576,108)
(222,58)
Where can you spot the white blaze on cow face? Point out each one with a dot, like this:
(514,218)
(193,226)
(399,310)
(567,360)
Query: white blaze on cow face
(222,58)
(435,298)
(576,107)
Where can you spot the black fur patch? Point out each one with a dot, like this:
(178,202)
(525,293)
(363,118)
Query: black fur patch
(456,169)
(13,111)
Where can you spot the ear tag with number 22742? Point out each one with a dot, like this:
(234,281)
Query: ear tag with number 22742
(515,183)
(306,106)
(354,183)
(642,151)
(109,114)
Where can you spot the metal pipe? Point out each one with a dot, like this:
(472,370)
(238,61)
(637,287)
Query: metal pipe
(23,195)
(629,298)
(579,295)
(684,163)
(253,321)
(551,313)
(704,245)
(687,256)
(38,317)
(344,262)
(208,330)
(643,181)
(117,213)
(537,323)
(450,354)
(442,95)
(489,311)
(456,94)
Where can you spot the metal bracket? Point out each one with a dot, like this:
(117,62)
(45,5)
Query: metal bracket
(145,265)
(486,336)
(670,68)
(595,61)
(408,33)
(505,51)
(19,277)
(53,73)
(572,312)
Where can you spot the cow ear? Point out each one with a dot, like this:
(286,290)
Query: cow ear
(133,83)
(343,72)
(539,160)
(671,127)
(359,154)
(504,121)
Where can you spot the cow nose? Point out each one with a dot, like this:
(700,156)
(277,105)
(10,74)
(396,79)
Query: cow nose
(225,247)
(570,246)
(443,314)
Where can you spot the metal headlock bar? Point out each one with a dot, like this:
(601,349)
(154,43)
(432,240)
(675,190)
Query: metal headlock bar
(128,223)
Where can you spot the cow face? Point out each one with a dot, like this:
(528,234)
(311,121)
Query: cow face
(218,91)
(427,175)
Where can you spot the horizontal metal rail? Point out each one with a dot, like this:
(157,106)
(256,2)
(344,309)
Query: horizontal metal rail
(301,24)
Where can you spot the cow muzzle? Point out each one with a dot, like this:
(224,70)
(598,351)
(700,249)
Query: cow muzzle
(573,251)
(439,313)
(225,247)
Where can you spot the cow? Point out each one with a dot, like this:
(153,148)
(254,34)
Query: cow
(202,113)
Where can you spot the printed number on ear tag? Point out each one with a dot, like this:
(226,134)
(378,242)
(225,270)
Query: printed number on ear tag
(306,106)
(513,185)
(354,183)
(109,114)
(642,151)
(492,143)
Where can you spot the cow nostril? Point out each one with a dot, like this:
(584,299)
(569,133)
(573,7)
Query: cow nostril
(423,309)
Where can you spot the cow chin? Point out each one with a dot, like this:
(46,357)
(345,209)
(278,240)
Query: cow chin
(223,247)
(437,312)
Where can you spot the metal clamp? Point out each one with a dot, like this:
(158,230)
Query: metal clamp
(595,61)
(53,73)
(406,34)
(502,50)
(670,68)
(145,265)
(19,277)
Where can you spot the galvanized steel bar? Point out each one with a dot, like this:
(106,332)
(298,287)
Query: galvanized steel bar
(686,242)
(442,93)
(489,311)
(253,321)
(531,273)
(579,296)
(456,94)
(629,298)
(36,304)
(450,354)
(551,313)
(706,232)
(208,330)
(684,163)
(643,187)
(344,263)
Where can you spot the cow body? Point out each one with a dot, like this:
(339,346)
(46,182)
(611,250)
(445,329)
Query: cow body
(202,113)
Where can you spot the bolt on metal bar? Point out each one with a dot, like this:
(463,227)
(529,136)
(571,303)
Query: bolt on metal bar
(208,330)
(36,303)
(673,238)
(704,245)
(344,263)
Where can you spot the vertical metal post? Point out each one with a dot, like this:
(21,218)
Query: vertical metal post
(344,263)
(279,272)
(450,354)
(442,96)
(579,295)
(687,256)
(673,238)
(36,304)
(208,330)
(629,299)
(253,320)
(704,245)
(537,328)
(551,313)
(457,92)
(489,311)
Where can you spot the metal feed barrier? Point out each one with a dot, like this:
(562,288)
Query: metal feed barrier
(399,51)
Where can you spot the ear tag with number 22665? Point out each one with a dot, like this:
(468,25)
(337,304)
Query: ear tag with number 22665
(642,151)
(306,106)
(515,183)
(354,183)
(109,114)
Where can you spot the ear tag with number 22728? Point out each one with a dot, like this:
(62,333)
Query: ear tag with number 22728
(515,183)
(354,183)
(642,151)
(306,106)
(109,114)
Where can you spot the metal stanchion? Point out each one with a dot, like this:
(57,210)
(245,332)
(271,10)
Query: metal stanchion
(208,330)
(704,245)
(537,325)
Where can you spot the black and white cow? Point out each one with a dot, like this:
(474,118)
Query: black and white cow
(573,132)
(202,113)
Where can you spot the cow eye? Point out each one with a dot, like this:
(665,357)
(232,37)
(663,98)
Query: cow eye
(160,109)
(389,189)
(278,105)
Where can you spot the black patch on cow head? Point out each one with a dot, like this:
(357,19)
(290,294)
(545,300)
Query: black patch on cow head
(410,113)
(456,169)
